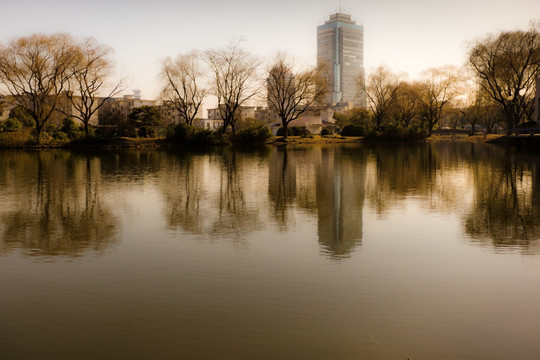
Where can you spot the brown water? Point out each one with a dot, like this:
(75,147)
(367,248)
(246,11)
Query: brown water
(351,252)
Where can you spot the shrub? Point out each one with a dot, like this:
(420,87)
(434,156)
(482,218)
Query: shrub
(209,137)
(69,126)
(416,133)
(253,134)
(281,132)
(184,132)
(146,131)
(352,130)
(22,116)
(10,125)
(189,134)
(392,132)
(397,133)
(16,138)
(60,135)
(300,131)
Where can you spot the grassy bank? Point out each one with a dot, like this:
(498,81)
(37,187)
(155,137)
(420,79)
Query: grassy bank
(474,138)
(25,139)
(314,139)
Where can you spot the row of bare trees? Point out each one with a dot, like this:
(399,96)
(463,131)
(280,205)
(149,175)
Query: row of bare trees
(392,99)
(497,86)
(235,79)
(41,71)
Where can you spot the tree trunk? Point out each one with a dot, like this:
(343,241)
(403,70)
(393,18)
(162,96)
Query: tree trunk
(39,129)
(284,125)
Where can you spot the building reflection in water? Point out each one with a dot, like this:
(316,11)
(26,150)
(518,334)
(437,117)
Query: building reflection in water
(328,182)
(340,200)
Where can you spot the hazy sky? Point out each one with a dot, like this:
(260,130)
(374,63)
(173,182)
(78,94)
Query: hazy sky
(408,36)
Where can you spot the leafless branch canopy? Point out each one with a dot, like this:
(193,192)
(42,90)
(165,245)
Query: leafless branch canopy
(435,91)
(506,67)
(35,70)
(182,87)
(380,89)
(234,80)
(291,94)
(404,107)
(91,74)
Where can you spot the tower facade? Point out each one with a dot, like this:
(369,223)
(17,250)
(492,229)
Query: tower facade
(340,47)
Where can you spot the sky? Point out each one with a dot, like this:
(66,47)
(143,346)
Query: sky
(407,36)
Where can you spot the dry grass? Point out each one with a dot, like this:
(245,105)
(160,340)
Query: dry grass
(467,138)
(315,139)
(16,139)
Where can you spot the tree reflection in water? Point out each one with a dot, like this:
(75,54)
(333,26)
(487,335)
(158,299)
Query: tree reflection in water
(282,185)
(205,194)
(185,193)
(55,203)
(506,208)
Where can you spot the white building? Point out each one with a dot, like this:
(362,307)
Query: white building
(127,103)
(5,107)
(313,120)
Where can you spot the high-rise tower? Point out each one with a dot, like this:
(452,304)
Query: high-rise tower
(340,47)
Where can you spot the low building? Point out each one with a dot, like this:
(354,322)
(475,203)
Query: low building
(265,115)
(208,124)
(314,120)
(67,109)
(171,115)
(5,106)
(122,107)
(342,106)
(246,112)
(64,109)
(248,116)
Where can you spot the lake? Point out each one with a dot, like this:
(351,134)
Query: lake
(428,251)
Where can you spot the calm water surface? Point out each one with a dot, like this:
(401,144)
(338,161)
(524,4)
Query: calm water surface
(338,252)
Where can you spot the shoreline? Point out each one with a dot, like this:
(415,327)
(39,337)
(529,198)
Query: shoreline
(162,143)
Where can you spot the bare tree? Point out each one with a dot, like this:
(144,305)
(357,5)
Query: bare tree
(475,108)
(506,67)
(492,119)
(404,107)
(234,80)
(291,94)
(35,70)
(380,89)
(182,87)
(435,92)
(90,79)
